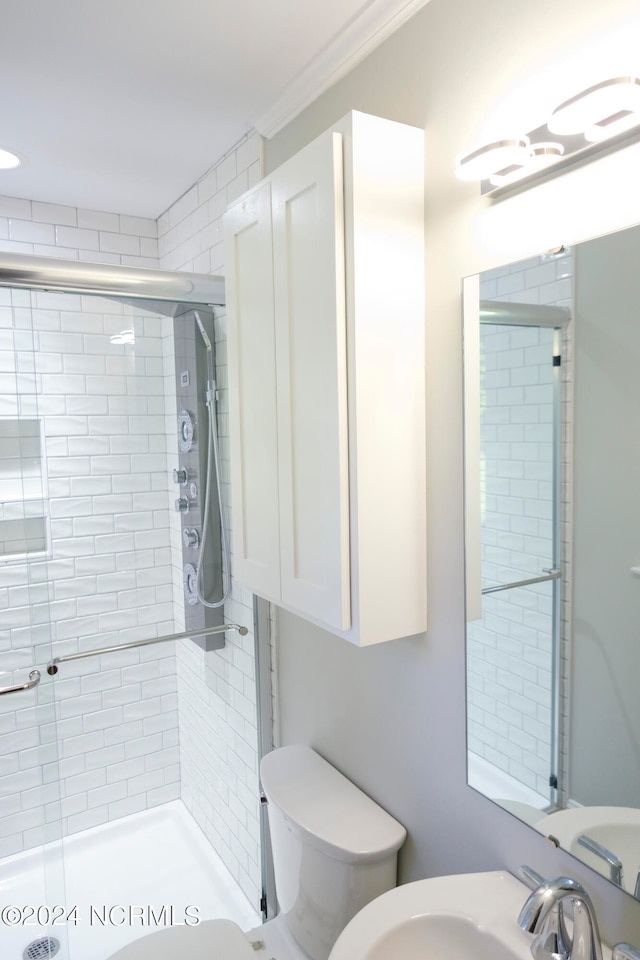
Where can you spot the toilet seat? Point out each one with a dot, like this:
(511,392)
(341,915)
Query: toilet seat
(210,940)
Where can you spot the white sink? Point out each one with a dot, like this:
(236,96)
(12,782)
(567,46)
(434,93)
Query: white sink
(616,828)
(471,916)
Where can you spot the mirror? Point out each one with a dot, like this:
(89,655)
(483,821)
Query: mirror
(552,532)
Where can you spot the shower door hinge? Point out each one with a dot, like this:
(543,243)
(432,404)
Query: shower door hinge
(553,781)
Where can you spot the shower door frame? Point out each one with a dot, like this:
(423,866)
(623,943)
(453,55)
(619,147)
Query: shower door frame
(505,313)
(151,287)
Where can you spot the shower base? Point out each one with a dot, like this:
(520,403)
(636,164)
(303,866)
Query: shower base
(124,873)
(498,785)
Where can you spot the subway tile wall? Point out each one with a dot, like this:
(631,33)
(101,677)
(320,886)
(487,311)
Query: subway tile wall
(217,691)
(118,720)
(51,230)
(509,671)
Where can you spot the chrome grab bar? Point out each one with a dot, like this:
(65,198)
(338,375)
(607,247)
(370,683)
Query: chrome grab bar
(34,680)
(614,862)
(551,575)
(52,667)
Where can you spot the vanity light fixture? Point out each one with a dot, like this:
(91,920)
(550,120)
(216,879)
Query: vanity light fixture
(539,157)
(601,111)
(501,155)
(8,160)
(603,115)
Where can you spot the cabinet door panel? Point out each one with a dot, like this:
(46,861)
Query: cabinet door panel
(308,245)
(252,387)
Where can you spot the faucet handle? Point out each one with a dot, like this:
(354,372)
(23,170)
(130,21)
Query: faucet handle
(614,862)
(624,951)
(530,876)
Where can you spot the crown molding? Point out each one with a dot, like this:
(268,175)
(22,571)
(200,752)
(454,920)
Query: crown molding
(376,21)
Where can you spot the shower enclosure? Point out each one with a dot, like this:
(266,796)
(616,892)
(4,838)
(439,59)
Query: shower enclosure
(124,736)
(517,443)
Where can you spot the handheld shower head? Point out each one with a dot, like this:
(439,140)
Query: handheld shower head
(207,343)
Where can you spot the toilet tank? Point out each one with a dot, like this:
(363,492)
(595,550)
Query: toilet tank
(334,849)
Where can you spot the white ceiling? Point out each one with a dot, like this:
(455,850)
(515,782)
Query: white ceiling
(121,105)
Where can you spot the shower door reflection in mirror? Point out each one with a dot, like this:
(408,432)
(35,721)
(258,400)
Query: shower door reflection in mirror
(553,666)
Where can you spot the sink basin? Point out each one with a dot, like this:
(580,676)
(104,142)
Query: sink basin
(617,828)
(471,916)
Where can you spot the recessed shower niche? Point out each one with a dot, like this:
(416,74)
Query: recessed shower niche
(24,528)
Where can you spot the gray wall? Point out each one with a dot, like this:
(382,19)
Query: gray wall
(606,598)
(393,717)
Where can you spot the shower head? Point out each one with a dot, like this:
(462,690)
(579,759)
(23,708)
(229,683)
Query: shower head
(202,330)
(207,343)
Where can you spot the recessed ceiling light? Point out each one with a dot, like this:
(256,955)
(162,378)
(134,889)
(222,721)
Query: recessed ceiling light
(8,160)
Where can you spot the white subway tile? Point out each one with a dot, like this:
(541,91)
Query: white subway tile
(76,237)
(118,243)
(13,207)
(138,226)
(97,220)
(31,232)
(54,213)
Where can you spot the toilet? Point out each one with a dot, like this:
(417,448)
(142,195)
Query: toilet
(334,850)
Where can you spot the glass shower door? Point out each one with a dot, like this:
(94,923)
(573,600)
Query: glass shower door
(105,441)
(32,903)
(513,647)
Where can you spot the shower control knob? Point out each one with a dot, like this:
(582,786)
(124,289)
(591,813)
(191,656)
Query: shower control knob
(191,538)
(193,490)
(182,505)
(180,476)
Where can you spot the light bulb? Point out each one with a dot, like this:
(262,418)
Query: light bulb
(601,107)
(541,156)
(8,160)
(493,158)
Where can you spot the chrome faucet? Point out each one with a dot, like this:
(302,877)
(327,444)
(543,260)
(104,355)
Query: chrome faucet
(543,915)
(614,862)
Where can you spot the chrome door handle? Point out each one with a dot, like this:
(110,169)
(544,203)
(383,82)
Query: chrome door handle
(34,680)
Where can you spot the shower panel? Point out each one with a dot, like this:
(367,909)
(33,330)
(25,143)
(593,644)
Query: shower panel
(191,477)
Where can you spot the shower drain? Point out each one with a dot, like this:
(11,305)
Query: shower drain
(41,949)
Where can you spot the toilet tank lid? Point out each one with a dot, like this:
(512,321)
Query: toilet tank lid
(332,813)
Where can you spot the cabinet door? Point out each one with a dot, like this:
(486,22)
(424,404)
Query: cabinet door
(252,394)
(308,253)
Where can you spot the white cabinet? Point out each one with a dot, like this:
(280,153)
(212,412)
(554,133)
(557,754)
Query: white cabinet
(326,358)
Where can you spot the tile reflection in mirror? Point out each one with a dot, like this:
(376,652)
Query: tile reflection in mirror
(552,402)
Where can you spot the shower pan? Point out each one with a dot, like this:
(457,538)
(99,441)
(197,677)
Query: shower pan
(128,748)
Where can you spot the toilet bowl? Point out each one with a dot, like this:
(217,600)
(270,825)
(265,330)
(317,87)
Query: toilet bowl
(334,850)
